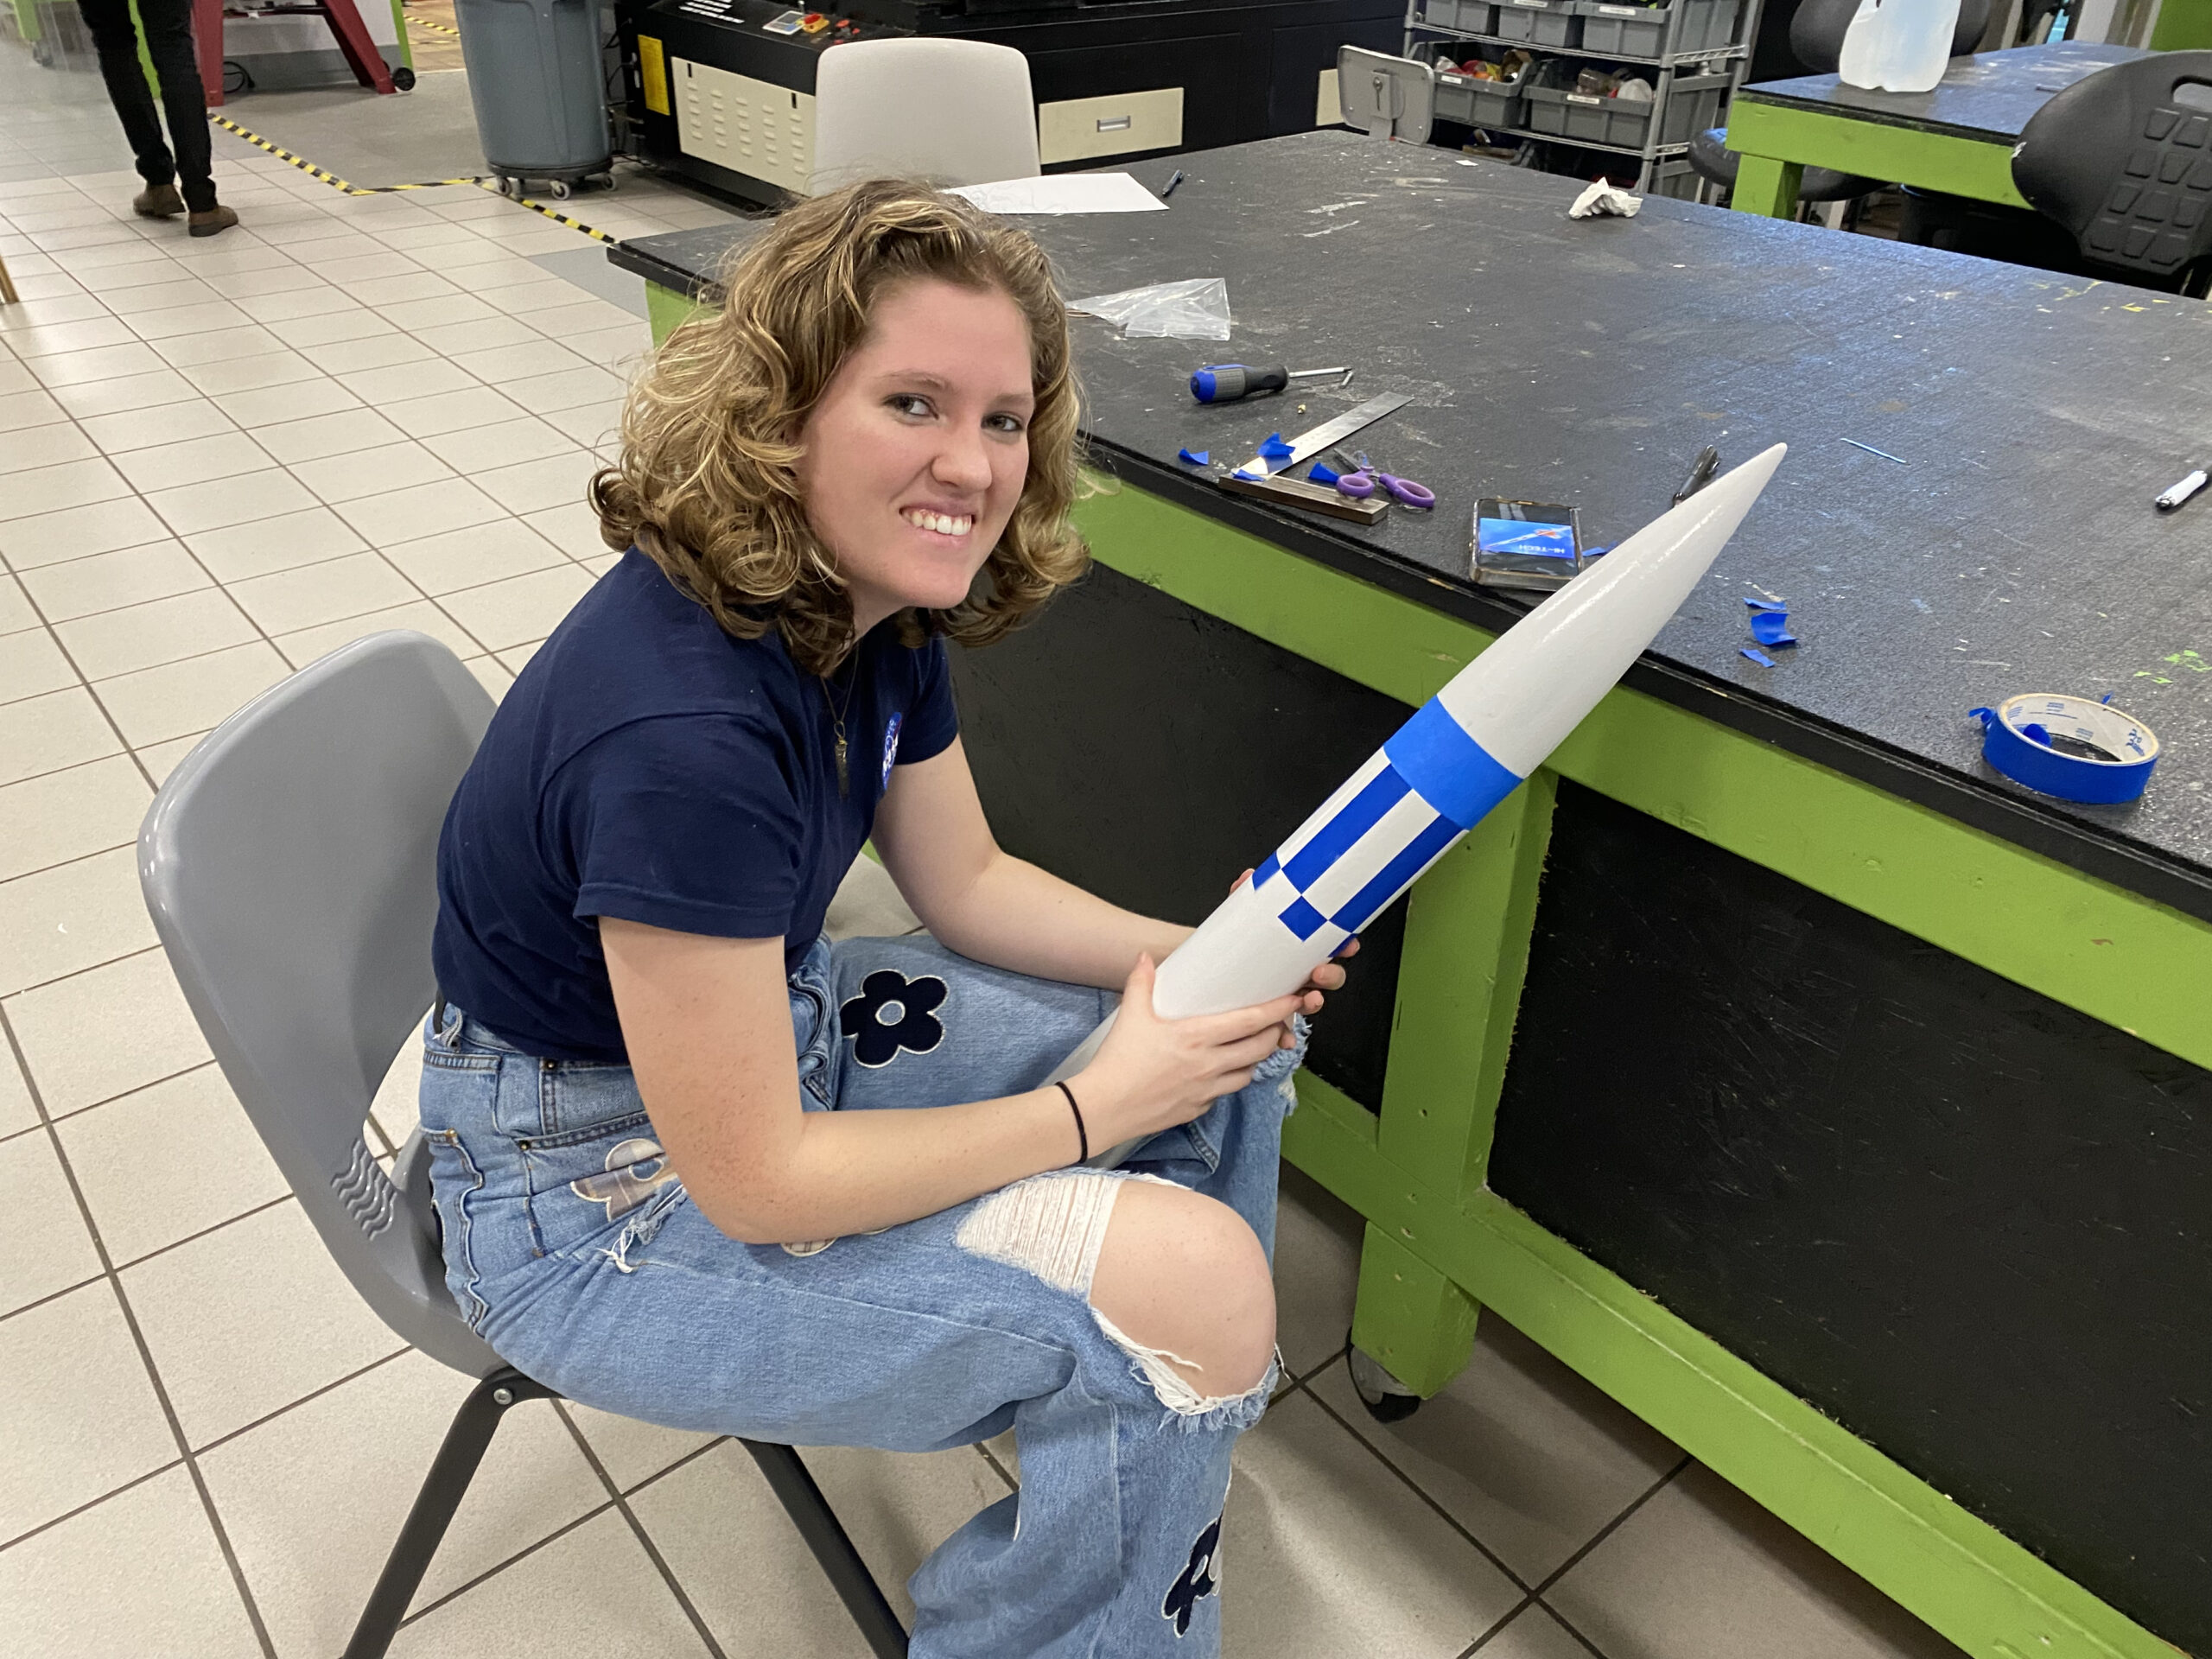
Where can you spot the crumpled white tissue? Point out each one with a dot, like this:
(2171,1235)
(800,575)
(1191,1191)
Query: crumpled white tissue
(1604,197)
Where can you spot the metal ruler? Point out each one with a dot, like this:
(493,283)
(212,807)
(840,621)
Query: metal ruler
(1307,445)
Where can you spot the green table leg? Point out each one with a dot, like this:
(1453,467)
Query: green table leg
(1411,1317)
(1767,187)
(1466,950)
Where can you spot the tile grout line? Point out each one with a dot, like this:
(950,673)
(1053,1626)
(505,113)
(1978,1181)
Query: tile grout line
(1535,1597)
(67,1516)
(1486,1552)
(262,1421)
(136,1088)
(998,1468)
(68,656)
(498,1567)
(636,1527)
(80,858)
(145,1353)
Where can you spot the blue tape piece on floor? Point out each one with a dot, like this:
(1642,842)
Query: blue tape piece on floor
(1448,769)
(1196,457)
(1758,657)
(1276,449)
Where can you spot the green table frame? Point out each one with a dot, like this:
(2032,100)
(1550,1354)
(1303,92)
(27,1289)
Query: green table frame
(1778,141)
(1438,1244)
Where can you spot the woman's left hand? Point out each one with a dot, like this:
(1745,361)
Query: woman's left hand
(1329,976)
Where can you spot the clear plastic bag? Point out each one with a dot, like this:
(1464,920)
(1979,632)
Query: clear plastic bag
(1195,309)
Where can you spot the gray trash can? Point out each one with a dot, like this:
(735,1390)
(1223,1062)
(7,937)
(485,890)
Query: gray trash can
(536,77)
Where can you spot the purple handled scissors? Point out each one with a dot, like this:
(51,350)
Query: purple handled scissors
(1363,484)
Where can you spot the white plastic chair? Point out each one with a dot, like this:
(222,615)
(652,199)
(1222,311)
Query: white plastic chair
(949,111)
(290,864)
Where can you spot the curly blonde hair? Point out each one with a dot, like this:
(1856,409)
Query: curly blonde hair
(707,485)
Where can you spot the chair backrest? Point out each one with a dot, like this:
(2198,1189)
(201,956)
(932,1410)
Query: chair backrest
(2123,160)
(1817,28)
(290,865)
(949,111)
(1389,96)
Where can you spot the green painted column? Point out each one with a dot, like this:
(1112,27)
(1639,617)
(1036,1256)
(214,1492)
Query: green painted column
(2183,24)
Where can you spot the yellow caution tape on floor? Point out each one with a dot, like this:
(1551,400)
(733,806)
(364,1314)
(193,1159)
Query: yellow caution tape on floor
(339,184)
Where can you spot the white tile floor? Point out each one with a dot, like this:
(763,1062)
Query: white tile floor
(219,459)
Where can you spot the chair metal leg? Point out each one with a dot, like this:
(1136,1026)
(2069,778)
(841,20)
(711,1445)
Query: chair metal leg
(452,1470)
(818,1523)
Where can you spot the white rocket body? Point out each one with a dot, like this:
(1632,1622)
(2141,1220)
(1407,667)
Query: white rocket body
(1461,754)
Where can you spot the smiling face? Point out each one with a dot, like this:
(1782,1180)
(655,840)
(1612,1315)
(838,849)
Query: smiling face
(917,452)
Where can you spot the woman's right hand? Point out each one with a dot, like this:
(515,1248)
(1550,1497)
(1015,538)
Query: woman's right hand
(1152,1074)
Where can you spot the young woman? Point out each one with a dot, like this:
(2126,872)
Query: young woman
(699,1166)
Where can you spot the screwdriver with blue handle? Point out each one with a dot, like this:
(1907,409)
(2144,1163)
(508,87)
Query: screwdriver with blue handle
(1230,383)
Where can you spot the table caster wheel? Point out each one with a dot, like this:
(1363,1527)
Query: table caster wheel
(1387,1400)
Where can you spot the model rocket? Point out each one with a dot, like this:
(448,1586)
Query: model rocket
(1463,751)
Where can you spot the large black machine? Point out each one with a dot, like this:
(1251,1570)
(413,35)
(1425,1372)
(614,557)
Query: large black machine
(723,91)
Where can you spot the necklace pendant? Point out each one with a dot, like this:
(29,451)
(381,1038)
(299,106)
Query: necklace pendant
(845,780)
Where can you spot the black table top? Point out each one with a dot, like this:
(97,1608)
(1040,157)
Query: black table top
(1989,96)
(1586,362)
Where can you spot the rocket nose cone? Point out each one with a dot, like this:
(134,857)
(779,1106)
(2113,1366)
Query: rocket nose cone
(1739,486)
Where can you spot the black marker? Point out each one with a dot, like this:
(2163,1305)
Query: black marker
(2180,492)
(1172,183)
(1701,472)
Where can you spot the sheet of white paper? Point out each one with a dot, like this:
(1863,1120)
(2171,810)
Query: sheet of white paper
(1064,193)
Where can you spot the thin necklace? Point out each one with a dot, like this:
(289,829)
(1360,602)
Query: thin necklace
(837,723)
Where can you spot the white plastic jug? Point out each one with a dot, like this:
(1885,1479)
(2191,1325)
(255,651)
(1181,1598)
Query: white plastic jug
(1898,46)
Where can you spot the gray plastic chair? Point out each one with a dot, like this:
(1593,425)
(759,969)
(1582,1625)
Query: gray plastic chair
(290,865)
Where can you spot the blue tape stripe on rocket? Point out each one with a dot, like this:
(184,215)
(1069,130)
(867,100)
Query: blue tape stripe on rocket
(1448,769)
(1335,838)
(1361,907)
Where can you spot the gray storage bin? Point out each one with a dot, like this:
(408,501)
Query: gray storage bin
(1539,23)
(1693,105)
(1632,31)
(1479,103)
(1462,17)
(1659,31)
(1677,178)
(536,78)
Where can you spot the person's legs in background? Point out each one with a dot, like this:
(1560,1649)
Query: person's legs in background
(116,37)
(169,44)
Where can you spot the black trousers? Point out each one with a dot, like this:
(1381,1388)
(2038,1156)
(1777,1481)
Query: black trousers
(168,43)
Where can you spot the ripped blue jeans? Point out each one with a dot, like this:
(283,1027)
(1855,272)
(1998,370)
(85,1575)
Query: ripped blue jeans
(571,1247)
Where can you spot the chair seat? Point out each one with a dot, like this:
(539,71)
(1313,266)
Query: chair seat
(1711,156)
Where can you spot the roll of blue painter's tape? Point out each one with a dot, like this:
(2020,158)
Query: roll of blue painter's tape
(2071,747)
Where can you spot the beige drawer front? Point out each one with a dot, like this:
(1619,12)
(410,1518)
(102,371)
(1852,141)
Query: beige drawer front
(1077,129)
(749,126)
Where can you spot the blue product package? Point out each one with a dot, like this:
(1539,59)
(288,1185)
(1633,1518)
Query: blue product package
(1519,536)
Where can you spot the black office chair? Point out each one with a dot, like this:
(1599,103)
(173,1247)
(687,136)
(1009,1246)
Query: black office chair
(1816,33)
(1710,155)
(2122,162)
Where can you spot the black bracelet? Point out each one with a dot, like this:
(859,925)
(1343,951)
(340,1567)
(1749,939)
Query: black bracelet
(1082,1134)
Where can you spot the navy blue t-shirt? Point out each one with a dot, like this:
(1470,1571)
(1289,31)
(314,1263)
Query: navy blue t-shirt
(646,766)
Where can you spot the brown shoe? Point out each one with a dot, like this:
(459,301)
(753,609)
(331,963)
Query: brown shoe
(215,219)
(157,202)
